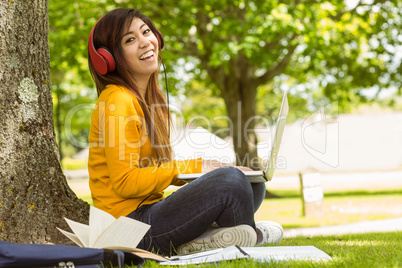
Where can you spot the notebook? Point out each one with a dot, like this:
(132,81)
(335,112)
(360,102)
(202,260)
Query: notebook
(267,174)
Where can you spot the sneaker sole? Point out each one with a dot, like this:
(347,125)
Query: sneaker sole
(241,235)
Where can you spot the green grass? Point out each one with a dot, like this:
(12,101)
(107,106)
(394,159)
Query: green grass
(357,250)
(73,164)
(337,208)
(87,198)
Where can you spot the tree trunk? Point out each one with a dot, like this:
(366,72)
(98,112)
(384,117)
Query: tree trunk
(239,96)
(58,123)
(34,194)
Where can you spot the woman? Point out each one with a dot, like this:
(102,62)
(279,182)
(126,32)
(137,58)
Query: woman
(130,160)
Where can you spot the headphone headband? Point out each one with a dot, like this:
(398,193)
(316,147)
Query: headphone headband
(102,59)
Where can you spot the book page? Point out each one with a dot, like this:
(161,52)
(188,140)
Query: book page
(281,253)
(99,221)
(71,236)
(80,230)
(259,254)
(215,255)
(124,232)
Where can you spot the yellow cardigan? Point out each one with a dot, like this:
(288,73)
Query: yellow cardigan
(121,170)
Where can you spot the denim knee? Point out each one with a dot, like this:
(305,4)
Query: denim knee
(232,179)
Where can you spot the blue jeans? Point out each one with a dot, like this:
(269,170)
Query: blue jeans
(224,196)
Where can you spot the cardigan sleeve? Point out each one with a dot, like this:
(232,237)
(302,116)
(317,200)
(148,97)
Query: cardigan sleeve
(125,134)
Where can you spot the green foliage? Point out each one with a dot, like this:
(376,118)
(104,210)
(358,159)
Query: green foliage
(73,106)
(335,49)
(204,109)
(321,51)
(70,23)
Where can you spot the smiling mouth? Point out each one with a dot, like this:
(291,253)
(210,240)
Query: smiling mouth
(147,55)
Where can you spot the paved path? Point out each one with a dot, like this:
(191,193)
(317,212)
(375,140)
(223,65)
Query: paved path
(388,225)
(76,174)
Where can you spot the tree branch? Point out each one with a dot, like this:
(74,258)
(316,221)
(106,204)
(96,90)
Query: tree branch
(272,45)
(277,69)
(191,48)
(216,73)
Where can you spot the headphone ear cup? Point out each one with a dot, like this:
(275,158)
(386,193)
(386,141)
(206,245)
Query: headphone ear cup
(101,58)
(108,58)
(161,41)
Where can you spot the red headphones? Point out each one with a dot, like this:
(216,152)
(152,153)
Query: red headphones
(102,59)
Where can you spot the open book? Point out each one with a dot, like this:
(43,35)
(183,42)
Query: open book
(105,231)
(260,254)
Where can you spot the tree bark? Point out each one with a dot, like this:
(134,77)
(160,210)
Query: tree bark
(239,97)
(58,123)
(34,194)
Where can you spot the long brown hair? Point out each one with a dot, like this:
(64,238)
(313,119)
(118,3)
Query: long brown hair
(108,33)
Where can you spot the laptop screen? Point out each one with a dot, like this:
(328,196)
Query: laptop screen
(280,127)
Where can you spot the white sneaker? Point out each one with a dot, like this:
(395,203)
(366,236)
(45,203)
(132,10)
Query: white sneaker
(241,235)
(271,232)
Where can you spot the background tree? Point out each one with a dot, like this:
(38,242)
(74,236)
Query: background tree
(242,51)
(321,46)
(248,51)
(34,195)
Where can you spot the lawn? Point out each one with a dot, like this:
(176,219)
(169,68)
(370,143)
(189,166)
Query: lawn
(337,208)
(357,250)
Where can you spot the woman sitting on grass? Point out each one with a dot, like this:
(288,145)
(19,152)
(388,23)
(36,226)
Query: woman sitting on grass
(130,157)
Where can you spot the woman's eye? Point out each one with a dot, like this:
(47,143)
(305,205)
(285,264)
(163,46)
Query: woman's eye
(147,31)
(129,40)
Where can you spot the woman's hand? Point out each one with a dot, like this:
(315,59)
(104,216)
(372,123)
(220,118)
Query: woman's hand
(243,168)
(209,165)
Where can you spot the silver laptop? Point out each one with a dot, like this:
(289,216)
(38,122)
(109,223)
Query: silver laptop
(260,176)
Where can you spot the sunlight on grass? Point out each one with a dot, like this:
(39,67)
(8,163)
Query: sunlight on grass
(73,164)
(360,243)
(336,209)
(87,198)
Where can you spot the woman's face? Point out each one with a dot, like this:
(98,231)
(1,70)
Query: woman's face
(140,48)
